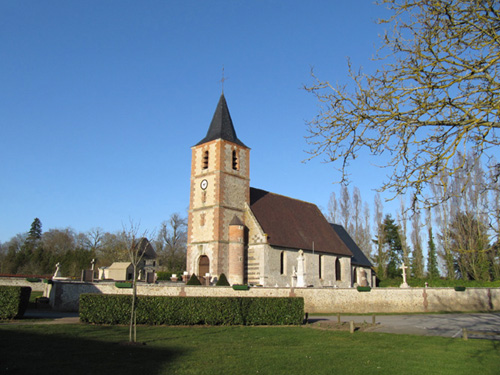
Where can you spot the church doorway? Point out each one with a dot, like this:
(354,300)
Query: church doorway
(203,267)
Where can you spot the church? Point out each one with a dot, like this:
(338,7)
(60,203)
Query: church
(254,236)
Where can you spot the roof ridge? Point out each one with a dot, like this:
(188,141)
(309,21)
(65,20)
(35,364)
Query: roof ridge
(286,196)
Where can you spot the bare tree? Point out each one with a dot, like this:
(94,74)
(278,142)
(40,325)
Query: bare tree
(443,214)
(417,261)
(345,208)
(94,239)
(381,256)
(332,208)
(437,94)
(366,243)
(135,245)
(403,219)
(171,243)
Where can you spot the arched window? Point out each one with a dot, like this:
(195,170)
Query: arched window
(205,160)
(320,266)
(236,163)
(338,270)
(282,263)
(355,275)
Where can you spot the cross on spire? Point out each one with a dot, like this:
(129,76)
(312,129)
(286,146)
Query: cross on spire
(223,79)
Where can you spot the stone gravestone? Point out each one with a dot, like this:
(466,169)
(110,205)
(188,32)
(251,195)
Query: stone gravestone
(150,277)
(88,276)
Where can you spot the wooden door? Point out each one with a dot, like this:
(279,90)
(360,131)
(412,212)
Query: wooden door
(203,267)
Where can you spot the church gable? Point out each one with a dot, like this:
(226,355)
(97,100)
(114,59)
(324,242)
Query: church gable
(291,223)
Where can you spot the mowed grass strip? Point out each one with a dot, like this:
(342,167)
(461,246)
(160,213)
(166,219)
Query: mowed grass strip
(86,349)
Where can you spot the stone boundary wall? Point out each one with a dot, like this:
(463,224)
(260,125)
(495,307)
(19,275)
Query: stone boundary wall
(64,296)
(20,281)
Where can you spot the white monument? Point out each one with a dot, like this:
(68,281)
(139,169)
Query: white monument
(294,277)
(301,282)
(405,284)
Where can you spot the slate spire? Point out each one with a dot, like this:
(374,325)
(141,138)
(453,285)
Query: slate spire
(221,126)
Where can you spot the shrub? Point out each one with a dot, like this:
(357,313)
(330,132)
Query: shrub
(13,301)
(193,280)
(123,284)
(155,310)
(222,281)
(163,276)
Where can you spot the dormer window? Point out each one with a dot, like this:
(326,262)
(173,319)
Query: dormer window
(236,163)
(205,160)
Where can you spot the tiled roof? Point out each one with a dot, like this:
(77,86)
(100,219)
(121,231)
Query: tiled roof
(291,223)
(221,126)
(359,258)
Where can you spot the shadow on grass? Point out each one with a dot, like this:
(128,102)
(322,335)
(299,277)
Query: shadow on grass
(24,351)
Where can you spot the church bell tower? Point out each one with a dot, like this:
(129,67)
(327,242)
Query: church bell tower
(220,190)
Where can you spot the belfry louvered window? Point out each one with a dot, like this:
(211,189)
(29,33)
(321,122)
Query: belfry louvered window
(236,163)
(205,160)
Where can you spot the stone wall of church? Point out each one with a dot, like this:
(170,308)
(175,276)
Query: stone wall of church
(277,274)
(257,242)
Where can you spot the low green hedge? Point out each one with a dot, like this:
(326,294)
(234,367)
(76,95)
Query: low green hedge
(13,301)
(439,283)
(156,310)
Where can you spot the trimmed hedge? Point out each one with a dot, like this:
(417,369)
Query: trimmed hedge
(193,280)
(14,301)
(222,281)
(161,310)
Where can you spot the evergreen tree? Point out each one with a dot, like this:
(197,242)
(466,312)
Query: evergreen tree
(432,264)
(394,247)
(35,233)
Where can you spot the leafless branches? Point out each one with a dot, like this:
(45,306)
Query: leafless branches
(437,95)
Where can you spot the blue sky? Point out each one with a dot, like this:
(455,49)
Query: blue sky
(101,101)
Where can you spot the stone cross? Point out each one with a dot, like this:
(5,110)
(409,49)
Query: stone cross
(92,264)
(405,284)
(403,267)
(58,271)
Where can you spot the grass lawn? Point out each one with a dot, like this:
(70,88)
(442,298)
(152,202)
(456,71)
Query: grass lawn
(87,349)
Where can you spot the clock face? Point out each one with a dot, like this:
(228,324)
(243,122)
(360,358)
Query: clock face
(204,184)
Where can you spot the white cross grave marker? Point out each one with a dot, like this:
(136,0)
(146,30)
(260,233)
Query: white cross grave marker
(405,284)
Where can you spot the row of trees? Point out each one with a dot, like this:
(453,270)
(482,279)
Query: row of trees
(36,252)
(461,233)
